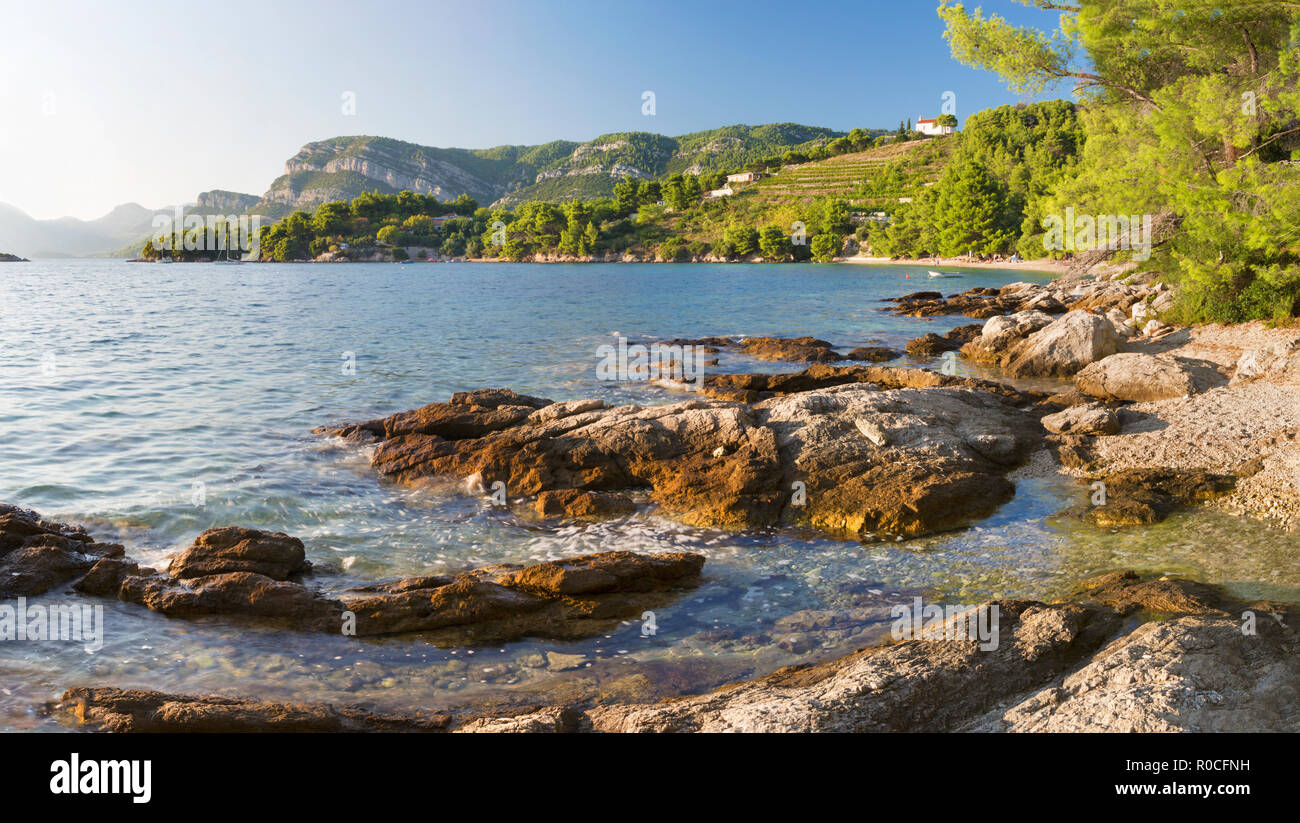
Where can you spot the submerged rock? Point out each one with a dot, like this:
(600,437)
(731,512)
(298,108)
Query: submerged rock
(1059,667)
(574,597)
(141,710)
(931,684)
(1139,497)
(874,354)
(1198,660)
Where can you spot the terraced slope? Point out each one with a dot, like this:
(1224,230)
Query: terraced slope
(869,178)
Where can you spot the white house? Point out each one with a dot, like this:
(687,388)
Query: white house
(930,125)
(743,177)
(725,191)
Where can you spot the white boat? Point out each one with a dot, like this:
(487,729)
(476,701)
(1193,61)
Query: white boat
(936,274)
(227,261)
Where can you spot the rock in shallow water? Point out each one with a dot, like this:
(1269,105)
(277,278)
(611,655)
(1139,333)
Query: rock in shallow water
(582,504)
(232,549)
(937,464)
(141,710)
(574,597)
(38,554)
(1140,497)
(1055,667)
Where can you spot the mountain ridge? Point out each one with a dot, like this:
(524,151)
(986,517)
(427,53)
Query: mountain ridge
(342,167)
(339,168)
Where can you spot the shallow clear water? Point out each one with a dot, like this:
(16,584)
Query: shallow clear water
(122,386)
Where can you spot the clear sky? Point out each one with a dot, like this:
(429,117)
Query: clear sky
(153,102)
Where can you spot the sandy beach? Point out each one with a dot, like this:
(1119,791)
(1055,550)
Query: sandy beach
(1045,265)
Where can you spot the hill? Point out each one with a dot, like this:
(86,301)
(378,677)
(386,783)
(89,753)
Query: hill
(67,236)
(875,177)
(342,167)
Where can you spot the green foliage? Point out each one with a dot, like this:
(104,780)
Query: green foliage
(825,246)
(971,213)
(742,240)
(1192,115)
(773,243)
(370,219)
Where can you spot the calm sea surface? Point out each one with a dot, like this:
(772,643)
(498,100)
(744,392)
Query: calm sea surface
(129,391)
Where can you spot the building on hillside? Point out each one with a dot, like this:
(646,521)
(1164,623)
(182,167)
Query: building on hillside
(725,191)
(931,127)
(438,221)
(744,177)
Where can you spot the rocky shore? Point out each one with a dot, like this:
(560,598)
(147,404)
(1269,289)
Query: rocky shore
(1153,417)
(1124,654)
(248,574)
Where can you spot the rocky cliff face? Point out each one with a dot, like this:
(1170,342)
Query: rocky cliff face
(219,201)
(343,167)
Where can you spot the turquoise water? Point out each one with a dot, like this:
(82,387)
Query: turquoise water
(122,386)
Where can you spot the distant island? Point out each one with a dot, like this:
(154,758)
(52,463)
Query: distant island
(12,258)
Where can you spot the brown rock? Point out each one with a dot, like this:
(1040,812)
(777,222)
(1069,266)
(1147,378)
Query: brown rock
(468,414)
(794,349)
(605,572)
(234,594)
(582,504)
(932,345)
(38,554)
(568,598)
(233,549)
(732,466)
(874,354)
(140,710)
(1127,593)
(1137,497)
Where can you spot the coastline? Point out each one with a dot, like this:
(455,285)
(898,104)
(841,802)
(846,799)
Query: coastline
(1044,265)
(1142,392)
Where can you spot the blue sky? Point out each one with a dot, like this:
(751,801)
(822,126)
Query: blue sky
(153,102)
